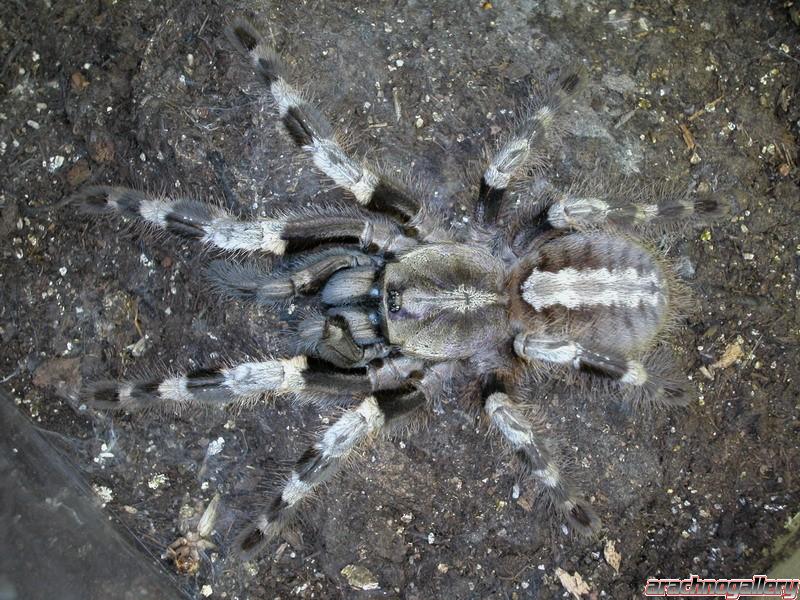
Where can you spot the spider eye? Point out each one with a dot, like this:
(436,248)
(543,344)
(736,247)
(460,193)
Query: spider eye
(393,301)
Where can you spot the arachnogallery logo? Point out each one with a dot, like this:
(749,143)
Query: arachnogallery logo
(730,589)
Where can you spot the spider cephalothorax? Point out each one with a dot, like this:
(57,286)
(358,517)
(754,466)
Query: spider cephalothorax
(401,304)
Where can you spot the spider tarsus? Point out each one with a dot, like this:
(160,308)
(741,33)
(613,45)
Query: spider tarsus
(103,395)
(243,35)
(661,391)
(570,82)
(92,198)
(102,199)
(241,281)
(714,205)
(251,540)
(581,517)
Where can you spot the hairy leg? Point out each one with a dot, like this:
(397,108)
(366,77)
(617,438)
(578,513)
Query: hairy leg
(525,148)
(532,447)
(313,134)
(304,275)
(628,206)
(323,459)
(614,367)
(303,378)
(294,231)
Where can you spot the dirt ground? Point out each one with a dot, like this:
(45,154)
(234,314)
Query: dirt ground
(150,94)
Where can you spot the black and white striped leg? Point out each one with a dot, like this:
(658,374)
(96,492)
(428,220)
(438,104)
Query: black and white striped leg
(203,387)
(627,207)
(303,276)
(305,378)
(532,447)
(614,367)
(525,148)
(207,223)
(312,133)
(295,231)
(323,459)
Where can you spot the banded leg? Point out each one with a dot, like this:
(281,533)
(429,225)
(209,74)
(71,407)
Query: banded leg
(202,387)
(614,367)
(524,149)
(312,133)
(323,459)
(302,277)
(531,446)
(214,226)
(306,379)
(587,206)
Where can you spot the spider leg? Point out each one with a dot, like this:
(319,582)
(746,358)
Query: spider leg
(533,448)
(306,230)
(586,206)
(216,227)
(305,378)
(525,147)
(607,364)
(303,276)
(324,458)
(321,376)
(313,134)
(328,359)
(207,386)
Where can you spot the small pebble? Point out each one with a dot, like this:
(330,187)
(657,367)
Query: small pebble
(216,446)
(156,481)
(104,493)
(360,577)
(55,163)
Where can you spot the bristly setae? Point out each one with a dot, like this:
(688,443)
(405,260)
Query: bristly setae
(401,304)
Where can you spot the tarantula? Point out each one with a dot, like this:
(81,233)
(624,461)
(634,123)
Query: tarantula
(403,304)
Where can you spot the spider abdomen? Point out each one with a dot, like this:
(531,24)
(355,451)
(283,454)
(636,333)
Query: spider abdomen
(595,288)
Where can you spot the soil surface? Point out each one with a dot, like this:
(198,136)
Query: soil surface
(151,95)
